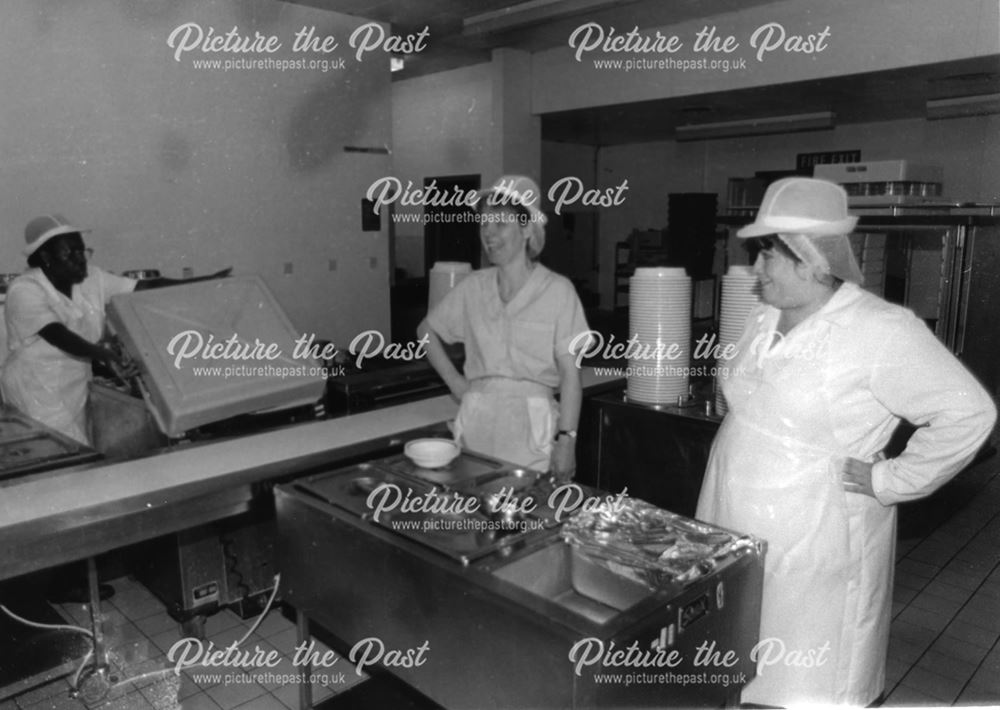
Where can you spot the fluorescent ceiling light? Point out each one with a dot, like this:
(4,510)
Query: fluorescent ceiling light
(533,12)
(979,105)
(756,126)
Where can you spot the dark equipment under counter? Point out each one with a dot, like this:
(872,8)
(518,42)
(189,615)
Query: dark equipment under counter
(658,453)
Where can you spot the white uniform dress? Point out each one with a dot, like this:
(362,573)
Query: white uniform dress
(834,387)
(39,379)
(510,360)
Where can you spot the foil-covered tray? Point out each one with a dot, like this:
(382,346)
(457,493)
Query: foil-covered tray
(661,549)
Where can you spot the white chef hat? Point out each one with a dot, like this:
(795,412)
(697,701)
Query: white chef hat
(42,229)
(810,217)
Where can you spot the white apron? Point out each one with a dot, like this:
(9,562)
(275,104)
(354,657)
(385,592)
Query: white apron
(47,384)
(774,472)
(512,420)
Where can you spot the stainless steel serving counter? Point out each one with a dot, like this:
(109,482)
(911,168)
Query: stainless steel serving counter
(59,516)
(533,616)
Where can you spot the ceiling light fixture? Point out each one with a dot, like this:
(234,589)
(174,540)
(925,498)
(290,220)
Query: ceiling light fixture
(533,12)
(979,105)
(821,120)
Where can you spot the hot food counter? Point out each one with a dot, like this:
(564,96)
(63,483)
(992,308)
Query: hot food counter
(449,581)
(62,508)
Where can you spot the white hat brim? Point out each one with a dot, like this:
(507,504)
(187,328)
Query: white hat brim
(51,234)
(796,225)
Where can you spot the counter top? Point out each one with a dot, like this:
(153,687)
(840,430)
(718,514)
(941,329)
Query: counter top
(152,477)
(189,484)
(68,514)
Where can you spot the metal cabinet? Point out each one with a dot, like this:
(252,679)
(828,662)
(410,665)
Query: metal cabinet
(951,280)
(657,454)
(978,337)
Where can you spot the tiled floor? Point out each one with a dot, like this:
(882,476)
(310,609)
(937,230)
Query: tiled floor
(943,650)
(943,646)
(140,633)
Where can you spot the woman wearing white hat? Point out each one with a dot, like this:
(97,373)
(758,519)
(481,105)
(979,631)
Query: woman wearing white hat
(517,320)
(55,320)
(824,372)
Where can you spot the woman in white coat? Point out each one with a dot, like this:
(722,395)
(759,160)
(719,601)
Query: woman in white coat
(55,318)
(823,373)
(518,321)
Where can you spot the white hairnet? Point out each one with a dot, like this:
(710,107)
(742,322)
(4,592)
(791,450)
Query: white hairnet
(830,254)
(520,191)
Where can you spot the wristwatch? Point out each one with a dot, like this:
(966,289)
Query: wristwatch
(571,433)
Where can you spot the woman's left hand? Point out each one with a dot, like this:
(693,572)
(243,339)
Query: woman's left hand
(563,460)
(857,477)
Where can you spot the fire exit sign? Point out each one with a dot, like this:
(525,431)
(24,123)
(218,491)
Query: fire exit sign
(806,161)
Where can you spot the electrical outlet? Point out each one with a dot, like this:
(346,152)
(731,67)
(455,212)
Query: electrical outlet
(332,264)
(372,262)
(288,268)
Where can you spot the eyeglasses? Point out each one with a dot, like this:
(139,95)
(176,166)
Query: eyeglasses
(65,252)
(755,245)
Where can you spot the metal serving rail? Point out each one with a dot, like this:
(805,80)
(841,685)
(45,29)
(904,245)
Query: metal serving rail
(50,518)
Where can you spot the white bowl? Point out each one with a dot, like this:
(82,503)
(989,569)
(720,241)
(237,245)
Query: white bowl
(431,453)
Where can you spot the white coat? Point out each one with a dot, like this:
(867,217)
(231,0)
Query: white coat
(834,387)
(39,379)
(511,360)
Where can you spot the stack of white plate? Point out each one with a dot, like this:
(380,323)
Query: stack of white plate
(740,295)
(660,321)
(445,275)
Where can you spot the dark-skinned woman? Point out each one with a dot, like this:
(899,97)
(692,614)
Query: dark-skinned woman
(55,319)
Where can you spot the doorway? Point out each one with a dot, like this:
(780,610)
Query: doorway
(450,233)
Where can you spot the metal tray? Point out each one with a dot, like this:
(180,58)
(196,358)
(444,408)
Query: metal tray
(350,488)
(462,536)
(13,428)
(27,446)
(465,468)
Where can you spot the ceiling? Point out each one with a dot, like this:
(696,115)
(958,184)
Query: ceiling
(465,31)
(877,96)
(532,25)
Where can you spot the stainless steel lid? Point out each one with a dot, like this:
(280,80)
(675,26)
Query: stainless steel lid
(213,350)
